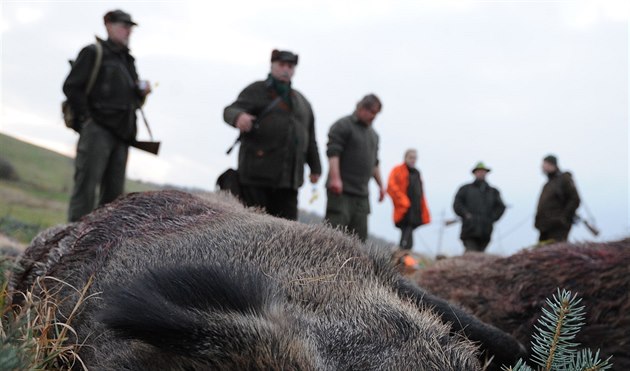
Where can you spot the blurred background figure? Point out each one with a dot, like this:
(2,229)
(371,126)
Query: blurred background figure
(557,204)
(480,206)
(103,91)
(277,135)
(405,188)
(353,160)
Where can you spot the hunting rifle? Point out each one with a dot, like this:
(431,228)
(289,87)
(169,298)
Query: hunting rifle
(256,123)
(151,147)
(449,222)
(591,228)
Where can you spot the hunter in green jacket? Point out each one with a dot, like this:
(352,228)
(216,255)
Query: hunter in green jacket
(277,129)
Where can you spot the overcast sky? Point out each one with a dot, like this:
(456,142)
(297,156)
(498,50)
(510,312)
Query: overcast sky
(506,82)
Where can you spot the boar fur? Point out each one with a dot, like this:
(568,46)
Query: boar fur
(510,292)
(183,282)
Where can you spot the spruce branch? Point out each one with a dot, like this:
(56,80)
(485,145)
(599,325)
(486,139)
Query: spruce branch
(553,345)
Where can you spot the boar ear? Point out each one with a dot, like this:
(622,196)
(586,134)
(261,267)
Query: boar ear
(178,309)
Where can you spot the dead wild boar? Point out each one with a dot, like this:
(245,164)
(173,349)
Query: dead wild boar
(182,282)
(509,292)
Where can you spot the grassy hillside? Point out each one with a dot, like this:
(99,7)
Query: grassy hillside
(38,197)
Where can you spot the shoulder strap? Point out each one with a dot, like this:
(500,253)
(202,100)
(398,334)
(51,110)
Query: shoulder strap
(96,67)
(265,111)
(270,107)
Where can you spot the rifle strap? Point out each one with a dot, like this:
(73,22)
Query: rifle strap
(269,108)
(146,123)
(96,67)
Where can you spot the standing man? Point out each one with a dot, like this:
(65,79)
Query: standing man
(105,116)
(353,160)
(277,129)
(557,204)
(480,206)
(410,206)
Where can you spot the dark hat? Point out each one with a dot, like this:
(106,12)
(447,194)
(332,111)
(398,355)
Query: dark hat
(551,159)
(118,16)
(284,55)
(480,166)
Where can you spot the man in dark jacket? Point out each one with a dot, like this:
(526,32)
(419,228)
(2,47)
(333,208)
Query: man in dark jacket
(557,204)
(105,117)
(480,206)
(277,138)
(353,160)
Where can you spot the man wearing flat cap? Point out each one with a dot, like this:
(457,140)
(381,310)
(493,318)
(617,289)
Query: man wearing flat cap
(479,206)
(277,134)
(557,204)
(103,91)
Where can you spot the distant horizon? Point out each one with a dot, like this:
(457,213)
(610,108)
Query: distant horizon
(300,209)
(180,187)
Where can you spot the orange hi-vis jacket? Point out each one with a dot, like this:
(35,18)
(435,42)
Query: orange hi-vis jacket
(397,185)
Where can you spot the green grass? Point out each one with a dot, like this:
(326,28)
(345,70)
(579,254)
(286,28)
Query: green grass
(38,168)
(39,198)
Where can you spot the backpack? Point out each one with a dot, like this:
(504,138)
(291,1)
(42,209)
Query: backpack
(66,110)
(228,181)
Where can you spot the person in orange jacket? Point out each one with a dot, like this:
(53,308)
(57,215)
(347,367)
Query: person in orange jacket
(410,206)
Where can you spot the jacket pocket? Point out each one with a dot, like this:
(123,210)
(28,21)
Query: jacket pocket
(265,164)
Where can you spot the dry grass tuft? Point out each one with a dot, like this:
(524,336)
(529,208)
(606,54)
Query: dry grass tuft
(33,335)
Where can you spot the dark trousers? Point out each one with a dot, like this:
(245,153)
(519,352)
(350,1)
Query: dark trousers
(556,235)
(476,244)
(101,163)
(406,237)
(280,202)
(350,212)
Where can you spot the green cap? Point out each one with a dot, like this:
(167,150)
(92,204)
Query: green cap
(480,166)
